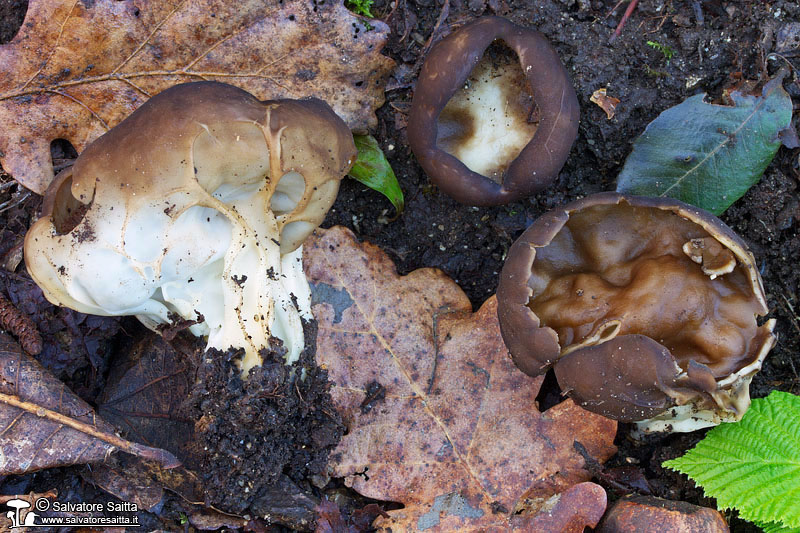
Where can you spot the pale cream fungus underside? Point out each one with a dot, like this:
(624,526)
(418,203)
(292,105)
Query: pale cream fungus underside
(489,120)
(616,271)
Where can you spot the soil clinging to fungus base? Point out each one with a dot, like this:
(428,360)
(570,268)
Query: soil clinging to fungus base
(196,207)
(486,130)
(646,308)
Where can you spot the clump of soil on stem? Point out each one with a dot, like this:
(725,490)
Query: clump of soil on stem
(277,421)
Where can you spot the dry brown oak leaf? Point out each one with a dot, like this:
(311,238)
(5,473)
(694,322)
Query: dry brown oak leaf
(439,418)
(77,68)
(43,424)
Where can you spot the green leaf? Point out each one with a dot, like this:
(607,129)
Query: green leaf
(373,170)
(774,527)
(753,465)
(705,154)
(361,7)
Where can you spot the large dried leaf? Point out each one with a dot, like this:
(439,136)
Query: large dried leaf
(44,425)
(77,68)
(438,417)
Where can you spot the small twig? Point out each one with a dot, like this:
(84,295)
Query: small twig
(616,6)
(790,311)
(698,12)
(166,459)
(624,19)
(662,20)
(598,471)
(61,164)
(21,326)
(781,56)
(51,494)
(14,201)
(436,345)
(443,14)
(796,379)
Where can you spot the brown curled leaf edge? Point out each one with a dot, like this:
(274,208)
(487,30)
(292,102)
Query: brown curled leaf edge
(646,308)
(446,69)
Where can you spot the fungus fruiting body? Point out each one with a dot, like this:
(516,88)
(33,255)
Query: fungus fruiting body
(195,208)
(647,309)
(488,129)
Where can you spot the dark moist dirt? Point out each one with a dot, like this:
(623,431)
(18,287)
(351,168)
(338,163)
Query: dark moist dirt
(249,433)
(716,45)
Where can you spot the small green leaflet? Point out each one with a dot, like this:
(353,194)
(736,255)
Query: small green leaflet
(753,465)
(373,170)
(361,7)
(705,154)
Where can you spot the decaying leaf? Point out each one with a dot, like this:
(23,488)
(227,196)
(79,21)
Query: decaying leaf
(457,437)
(77,68)
(144,392)
(44,425)
(30,497)
(130,485)
(605,102)
(145,389)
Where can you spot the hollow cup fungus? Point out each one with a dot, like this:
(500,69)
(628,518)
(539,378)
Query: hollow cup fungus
(646,308)
(490,130)
(195,207)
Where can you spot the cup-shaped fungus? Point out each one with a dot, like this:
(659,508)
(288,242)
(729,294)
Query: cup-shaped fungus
(195,208)
(489,128)
(646,308)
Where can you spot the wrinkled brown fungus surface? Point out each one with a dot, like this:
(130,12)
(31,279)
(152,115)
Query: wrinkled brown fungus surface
(646,308)
(489,130)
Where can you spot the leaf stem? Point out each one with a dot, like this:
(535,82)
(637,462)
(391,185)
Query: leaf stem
(166,459)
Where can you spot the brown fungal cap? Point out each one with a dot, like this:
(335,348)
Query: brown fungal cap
(489,131)
(645,308)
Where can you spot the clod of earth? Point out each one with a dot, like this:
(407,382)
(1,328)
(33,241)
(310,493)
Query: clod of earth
(473,121)
(194,208)
(646,308)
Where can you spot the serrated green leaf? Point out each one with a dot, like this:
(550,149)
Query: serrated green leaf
(705,154)
(753,465)
(774,527)
(373,170)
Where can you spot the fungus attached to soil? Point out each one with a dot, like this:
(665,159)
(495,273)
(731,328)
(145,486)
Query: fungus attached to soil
(487,127)
(647,309)
(194,208)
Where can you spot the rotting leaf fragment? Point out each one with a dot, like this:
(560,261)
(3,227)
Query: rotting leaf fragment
(45,425)
(76,69)
(457,438)
(605,102)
